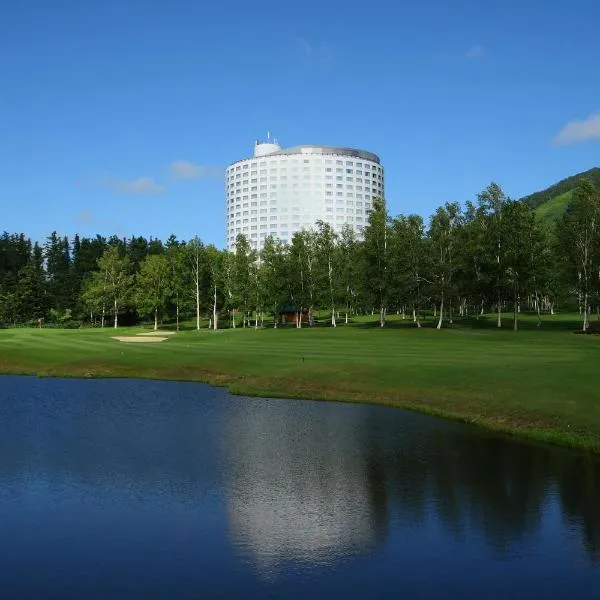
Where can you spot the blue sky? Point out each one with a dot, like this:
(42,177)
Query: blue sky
(118,116)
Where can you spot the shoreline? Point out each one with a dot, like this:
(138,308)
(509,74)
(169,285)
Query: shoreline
(252,387)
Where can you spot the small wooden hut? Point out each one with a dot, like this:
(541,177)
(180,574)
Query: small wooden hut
(289,313)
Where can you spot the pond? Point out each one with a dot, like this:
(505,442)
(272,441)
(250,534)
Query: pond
(147,489)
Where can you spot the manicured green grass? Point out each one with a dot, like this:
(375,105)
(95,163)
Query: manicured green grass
(539,382)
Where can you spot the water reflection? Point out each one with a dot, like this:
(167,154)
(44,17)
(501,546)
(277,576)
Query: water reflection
(315,484)
(297,489)
(104,478)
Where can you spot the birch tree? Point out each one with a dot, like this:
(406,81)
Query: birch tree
(327,265)
(153,286)
(519,237)
(375,258)
(299,273)
(179,283)
(114,278)
(196,256)
(350,268)
(242,280)
(442,234)
(491,201)
(580,236)
(215,260)
(272,275)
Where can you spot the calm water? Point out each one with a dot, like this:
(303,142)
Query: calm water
(140,489)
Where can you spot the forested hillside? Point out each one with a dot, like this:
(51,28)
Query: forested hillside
(551,203)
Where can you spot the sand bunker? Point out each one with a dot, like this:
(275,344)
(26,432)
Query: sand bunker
(135,338)
(151,333)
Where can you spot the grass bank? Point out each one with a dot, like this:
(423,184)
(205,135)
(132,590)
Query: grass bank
(541,383)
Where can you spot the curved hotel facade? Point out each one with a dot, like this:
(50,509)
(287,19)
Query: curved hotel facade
(280,191)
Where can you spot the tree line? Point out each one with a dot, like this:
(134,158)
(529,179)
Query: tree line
(491,255)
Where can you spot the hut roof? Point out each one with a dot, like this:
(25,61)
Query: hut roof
(288,309)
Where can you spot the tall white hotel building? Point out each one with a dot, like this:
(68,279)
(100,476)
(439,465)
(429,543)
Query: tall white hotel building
(280,191)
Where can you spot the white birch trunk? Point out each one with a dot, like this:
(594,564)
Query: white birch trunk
(499,321)
(214,319)
(197,304)
(116,312)
(439,325)
(156,319)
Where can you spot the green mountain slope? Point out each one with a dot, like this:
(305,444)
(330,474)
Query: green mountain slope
(551,203)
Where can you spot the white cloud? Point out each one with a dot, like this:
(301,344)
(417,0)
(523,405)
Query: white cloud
(142,186)
(184,169)
(475,52)
(316,54)
(580,131)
